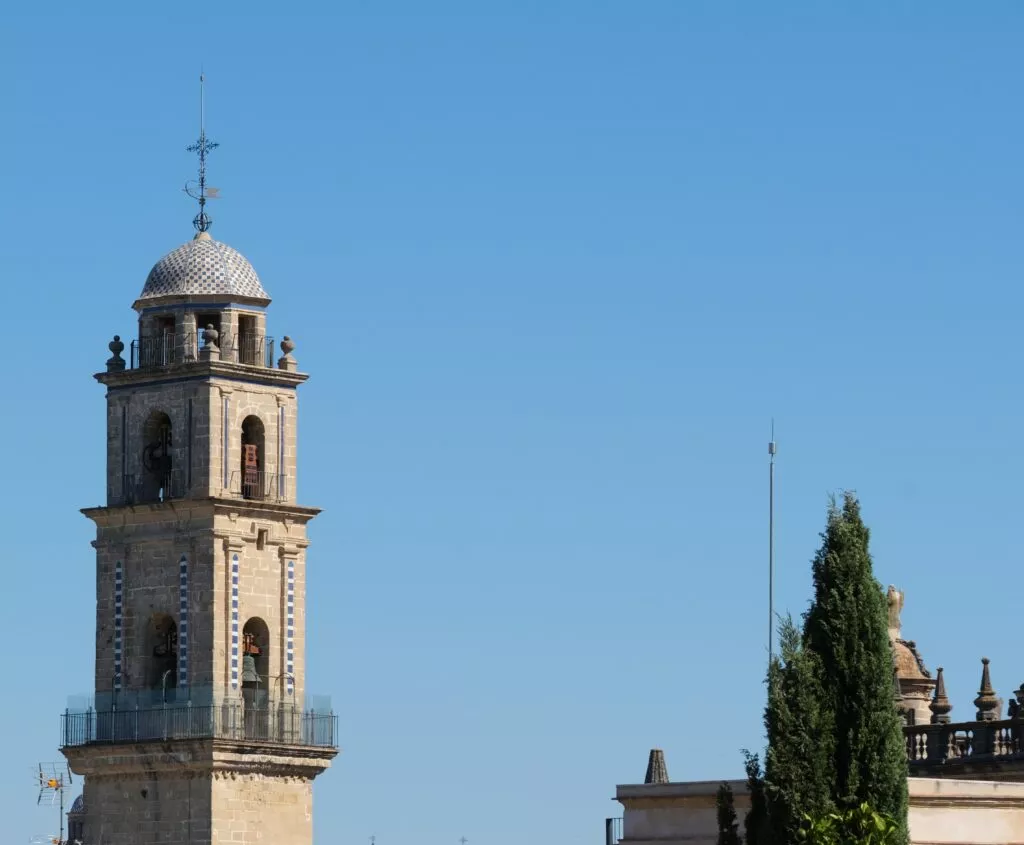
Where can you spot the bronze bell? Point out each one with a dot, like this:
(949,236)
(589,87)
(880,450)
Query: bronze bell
(249,674)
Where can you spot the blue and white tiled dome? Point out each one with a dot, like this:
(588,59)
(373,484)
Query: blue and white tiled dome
(203,267)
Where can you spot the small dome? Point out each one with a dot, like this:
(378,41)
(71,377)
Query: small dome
(79,805)
(203,267)
(909,665)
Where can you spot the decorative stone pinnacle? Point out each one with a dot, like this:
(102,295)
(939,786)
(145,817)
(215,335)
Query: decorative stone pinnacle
(940,705)
(286,361)
(210,350)
(115,362)
(656,770)
(987,702)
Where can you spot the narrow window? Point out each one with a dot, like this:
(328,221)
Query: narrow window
(157,481)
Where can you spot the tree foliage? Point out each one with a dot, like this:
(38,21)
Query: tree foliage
(728,827)
(857,826)
(799,766)
(755,825)
(846,626)
(835,744)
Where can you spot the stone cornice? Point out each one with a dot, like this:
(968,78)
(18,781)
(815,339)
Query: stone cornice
(201,370)
(215,758)
(127,515)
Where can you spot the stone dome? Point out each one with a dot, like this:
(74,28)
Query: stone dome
(203,267)
(79,805)
(909,665)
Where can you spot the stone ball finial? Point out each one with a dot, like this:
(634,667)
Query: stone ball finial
(210,335)
(116,347)
(286,361)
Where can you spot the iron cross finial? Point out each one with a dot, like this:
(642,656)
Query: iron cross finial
(202,220)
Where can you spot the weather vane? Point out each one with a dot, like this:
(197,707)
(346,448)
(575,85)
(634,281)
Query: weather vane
(199,191)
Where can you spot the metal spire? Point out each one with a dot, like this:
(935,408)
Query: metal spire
(199,192)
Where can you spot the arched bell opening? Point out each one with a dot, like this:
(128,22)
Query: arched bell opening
(161,673)
(256,678)
(255,661)
(157,463)
(253,452)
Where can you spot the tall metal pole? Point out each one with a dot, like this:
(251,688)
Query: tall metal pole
(771,545)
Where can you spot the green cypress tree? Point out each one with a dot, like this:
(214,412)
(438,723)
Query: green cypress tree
(799,769)
(846,629)
(728,827)
(755,825)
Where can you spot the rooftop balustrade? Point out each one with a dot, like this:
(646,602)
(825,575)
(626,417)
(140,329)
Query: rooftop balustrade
(964,742)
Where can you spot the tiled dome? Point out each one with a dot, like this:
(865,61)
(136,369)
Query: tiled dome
(203,266)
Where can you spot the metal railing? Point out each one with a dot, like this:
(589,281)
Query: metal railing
(256,350)
(130,489)
(964,743)
(612,830)
(258,486)
(149,353)
(277,723)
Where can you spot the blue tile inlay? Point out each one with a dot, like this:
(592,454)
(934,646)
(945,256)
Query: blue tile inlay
(183,622)
(234,622)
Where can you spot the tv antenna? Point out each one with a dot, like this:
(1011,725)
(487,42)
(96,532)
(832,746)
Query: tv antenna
(54,779)
(198,189)
(771,544)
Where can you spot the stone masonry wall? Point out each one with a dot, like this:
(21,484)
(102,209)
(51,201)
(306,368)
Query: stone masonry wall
(199,430)
(149,543)
(276,409)
(170,810)
(262,591)
(253,809)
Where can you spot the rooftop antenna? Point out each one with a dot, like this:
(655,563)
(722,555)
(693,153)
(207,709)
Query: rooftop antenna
(53,780)
(198,190)
(771,544)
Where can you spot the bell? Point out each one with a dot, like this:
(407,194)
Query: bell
(249,674)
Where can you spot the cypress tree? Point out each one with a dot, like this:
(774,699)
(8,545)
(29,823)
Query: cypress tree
(755,825)
(799,769)
(728,827)
(846,629)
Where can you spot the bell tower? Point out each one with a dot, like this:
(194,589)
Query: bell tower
(200,728)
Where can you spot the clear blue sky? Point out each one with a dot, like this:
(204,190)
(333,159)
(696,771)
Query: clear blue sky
(552,268)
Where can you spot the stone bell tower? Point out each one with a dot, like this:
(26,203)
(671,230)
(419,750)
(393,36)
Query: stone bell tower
(201,729)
